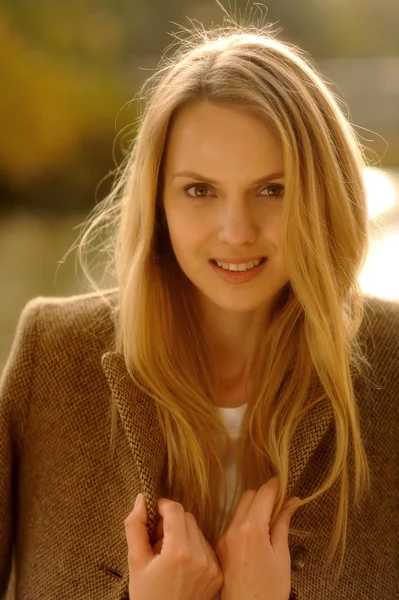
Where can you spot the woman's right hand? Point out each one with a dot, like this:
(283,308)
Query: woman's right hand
(186,566)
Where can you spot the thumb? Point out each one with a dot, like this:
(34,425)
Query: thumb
(139,548)
(279,531)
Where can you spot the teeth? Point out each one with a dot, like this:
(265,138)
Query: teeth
(239,267)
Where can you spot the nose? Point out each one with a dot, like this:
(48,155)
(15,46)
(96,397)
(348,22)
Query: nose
(236,225)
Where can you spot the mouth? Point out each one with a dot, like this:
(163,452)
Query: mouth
(239,267)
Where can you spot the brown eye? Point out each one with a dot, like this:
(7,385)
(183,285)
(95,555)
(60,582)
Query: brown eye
(273,191)
(200,190)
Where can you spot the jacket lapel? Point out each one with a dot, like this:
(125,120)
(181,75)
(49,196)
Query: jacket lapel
(138,414)
(307,438)
(140,422)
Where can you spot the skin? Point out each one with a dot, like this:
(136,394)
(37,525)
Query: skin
(254,557)
(227,215)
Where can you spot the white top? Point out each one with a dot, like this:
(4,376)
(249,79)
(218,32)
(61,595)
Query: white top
(232,419)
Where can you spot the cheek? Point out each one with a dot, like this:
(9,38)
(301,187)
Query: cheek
(188,235)
(272,229)
(183,245)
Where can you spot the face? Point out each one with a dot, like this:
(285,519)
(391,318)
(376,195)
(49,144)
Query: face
(223,198)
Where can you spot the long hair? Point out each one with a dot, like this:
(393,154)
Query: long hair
(312,336)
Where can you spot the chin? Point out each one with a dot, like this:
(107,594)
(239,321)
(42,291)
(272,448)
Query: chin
(240,305)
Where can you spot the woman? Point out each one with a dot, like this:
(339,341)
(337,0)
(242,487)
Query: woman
(234,377)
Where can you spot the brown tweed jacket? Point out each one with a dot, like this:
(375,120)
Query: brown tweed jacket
(64,495)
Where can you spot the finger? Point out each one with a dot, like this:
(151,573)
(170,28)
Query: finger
(158,536)
(262,506)
(242,509)
(138,542)
(210,551)
(157,547)
(174,524)
(158,532)
(194,535)
(279,531)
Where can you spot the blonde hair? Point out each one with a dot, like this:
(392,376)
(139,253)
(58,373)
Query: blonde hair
(313,335)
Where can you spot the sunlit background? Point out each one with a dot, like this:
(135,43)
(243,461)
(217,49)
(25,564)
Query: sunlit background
(69,72)
(380,275)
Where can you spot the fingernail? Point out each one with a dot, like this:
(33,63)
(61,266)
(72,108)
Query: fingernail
(138,500)
(292,501)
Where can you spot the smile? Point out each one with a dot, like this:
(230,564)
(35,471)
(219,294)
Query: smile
(239,266)
(238,273)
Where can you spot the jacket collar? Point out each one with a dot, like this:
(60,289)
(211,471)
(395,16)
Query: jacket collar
(140,422)
(307,437)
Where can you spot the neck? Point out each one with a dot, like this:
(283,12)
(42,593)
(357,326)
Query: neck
(233,340)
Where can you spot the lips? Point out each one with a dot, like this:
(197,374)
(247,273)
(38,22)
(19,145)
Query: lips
(238,262)
(238,276)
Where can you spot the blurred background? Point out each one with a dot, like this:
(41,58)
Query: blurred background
(68,73)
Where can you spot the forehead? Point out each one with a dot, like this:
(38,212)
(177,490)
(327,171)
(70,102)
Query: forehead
(222,139)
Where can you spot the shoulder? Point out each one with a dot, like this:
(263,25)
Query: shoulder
(380,331)
(382,316)
(72,320)
(56,350)
(380,344)
(74,310)
(68,333)
(61,341)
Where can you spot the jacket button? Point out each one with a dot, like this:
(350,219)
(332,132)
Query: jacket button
(298,557)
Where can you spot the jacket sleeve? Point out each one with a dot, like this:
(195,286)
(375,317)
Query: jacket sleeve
(15,385)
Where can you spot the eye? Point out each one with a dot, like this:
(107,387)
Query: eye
(200,191)
(273,191)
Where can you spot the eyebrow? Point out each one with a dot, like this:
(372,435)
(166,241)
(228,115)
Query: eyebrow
(270,177)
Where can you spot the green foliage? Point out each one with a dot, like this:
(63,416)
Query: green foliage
(56,106)
(66,70)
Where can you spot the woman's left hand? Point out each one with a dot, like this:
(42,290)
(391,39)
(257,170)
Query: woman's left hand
(256,561)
